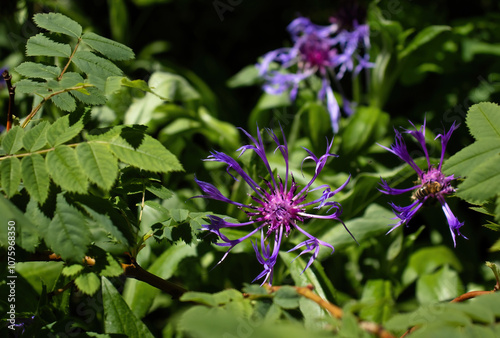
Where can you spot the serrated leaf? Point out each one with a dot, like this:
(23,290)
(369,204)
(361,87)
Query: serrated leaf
(26,231)
(70,79)
(61,131)
(64,101)
(68,234)
(26,86)
(159,190)
(92,96)
(142,151)
(98,163)
(92,64)
(58,23)
(483,120)
(104,232)
(42,45)
(63,167)
(35,177)
(111,49)
(466,160)
(72,270)
(118,318)
(13,140)
(482,183)
(38,70)
(88,283)
(10,169)
(113,267)
(36,137)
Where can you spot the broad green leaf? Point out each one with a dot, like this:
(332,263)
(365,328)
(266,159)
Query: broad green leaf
(92,64)
(248,76)
(64,101)
(88,283)
(423,37)
(36,137)
(159,190)
(139,295)
(439,286)
(471,157)
(363,129)
(72,270)
(118,318)
(61,131)
(140,150)
(482,183)
(172,87)
(38,70)
(35,177)
(483,120)
(426,260)
(91,96)
(68,235)
(98,163)
(42,45)
(105,233)
(111,49)
(10,169)
(377,301)
(58,23)
(63,167)
(286,297)
(70,79)
(13,140)
(27,233)
(26,86)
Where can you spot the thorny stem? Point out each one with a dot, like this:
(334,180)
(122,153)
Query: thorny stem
(336,311)
(12,92)
(69,60)
(45,99)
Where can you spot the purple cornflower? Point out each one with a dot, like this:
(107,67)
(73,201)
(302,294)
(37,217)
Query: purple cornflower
(277,208)
(317,50)
(431,183)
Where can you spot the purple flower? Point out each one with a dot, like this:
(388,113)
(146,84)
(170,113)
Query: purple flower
(317,50)
(277,208)
(431,183)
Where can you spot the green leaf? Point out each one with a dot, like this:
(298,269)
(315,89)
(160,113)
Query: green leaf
(64,101)
(58,23)
(13,140)
(139,295)
(35,177)
(109,48)
(423,37)
(98,163)
(140,150)
(118,318)
(377,301)
(286,297)
(72,270)
(425,261)
(28,87)
(38,70)
(471,157)
(70,79)
(172,87)
(483,120)
(10,169)
(91,96)
(92,64)
(61,131)
(441,285)
(159,190)
(482,183)
(105,233)
(27,233)
(36,137)
(248,76)
(63,167)
(68,234)
(42,45)
(88,283)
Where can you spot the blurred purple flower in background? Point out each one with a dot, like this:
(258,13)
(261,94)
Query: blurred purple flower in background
(431,183)
(279,206)
(327,51)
